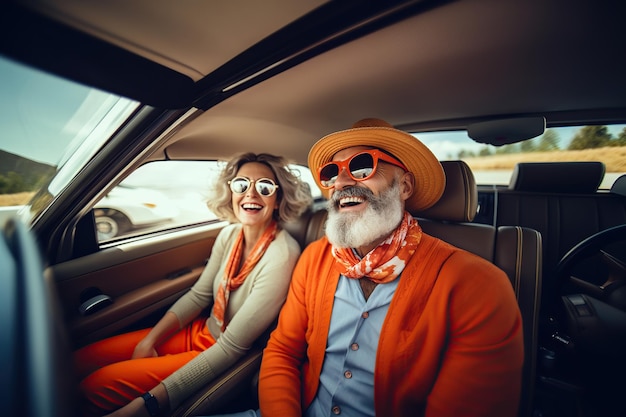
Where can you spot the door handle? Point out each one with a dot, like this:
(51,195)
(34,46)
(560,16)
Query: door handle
(95,303)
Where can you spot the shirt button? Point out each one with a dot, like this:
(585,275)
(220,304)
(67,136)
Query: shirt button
(365,315)
(354,346)
(347,374)
(336,410)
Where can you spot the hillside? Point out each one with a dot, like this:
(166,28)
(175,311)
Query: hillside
(10,162)
(21,174)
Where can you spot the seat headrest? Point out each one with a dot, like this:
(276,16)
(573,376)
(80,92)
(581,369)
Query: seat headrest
(459,201)
(619,186)
(557,177)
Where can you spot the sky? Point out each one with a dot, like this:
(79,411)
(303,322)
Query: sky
(35,125)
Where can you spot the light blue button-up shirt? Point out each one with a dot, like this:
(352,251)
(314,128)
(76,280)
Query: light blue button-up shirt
(347,378)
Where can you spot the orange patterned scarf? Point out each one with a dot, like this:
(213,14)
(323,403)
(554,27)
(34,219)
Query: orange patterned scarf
(385,262)
(230,281)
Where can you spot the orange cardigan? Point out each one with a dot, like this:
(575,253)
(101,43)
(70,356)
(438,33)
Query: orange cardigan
(451,344)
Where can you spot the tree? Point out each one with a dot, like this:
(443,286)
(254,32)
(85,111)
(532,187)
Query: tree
(465,154)
(590,137)
(4,185)
(621,138)
(549,141)
(507,149)
(527,146)
(12,183)
(484,151)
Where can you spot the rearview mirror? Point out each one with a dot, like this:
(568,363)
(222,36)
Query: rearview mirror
(505,131)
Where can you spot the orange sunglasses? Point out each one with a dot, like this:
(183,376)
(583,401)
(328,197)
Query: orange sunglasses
(359,166)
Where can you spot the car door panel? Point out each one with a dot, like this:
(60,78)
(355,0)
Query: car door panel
(142,278)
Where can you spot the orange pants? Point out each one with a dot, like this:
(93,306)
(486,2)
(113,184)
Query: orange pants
(109,377)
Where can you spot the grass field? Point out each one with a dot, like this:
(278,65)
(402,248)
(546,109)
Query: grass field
(15,199)
(614,158)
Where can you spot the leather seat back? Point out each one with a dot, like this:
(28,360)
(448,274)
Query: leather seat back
(561,200)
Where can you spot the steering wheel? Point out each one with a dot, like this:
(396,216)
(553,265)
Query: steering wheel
(31,349)
(586,248)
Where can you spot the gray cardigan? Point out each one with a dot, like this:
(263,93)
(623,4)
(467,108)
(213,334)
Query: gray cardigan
(265,288)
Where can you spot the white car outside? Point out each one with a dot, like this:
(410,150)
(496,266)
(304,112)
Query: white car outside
(128,208)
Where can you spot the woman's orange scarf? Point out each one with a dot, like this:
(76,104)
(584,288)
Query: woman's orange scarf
(230,281)
(386,261)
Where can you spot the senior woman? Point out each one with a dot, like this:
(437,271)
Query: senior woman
(245,283)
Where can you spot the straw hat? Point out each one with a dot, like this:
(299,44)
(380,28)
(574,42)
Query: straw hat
(430,179)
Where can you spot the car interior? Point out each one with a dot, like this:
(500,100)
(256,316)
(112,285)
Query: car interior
(201,81)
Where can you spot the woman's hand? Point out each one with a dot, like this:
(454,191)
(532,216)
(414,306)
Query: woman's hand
(144,349)
(167,326)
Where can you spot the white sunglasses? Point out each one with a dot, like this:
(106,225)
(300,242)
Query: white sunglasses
(264,186)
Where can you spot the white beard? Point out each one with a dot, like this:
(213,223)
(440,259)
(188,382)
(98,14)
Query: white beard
(353,230)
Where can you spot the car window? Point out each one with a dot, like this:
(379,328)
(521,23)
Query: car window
(163,195)
(157,196)
(494,165)
(51,128)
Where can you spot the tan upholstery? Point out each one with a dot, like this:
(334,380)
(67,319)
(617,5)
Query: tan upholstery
(459,201)
(449,219)
(308,228)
